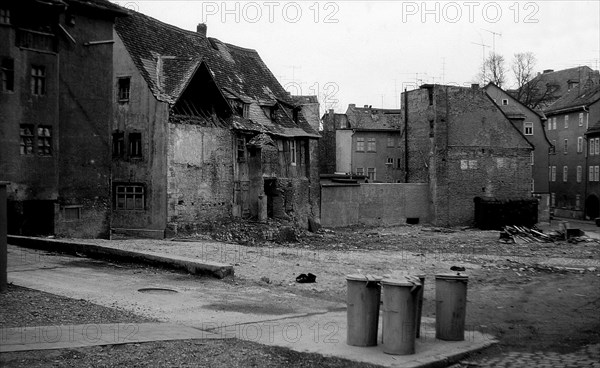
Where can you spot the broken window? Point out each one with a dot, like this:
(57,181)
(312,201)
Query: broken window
(129,197)
(371,145)
(38,80)
(118,144)
(8,75)
(241,149)
(135,145)
(360,144)
(26,139)
(44,140)
(293,152)
(124,89)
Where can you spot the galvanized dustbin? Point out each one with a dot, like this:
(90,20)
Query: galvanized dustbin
(362,299)
(419,309)
(400,299)
(451,306)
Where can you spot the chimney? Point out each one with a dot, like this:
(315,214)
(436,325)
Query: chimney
(201,29)
(475,86)
(366,106)
(352,105)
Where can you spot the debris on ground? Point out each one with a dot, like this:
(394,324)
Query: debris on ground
(511,234)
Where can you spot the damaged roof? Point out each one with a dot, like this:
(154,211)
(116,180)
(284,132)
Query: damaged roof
(167,57)
(373,118)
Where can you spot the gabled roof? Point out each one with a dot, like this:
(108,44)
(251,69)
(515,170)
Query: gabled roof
(513,110)
(575,99)
(167,57)
(373,118)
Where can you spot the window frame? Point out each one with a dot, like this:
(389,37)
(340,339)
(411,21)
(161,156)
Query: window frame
(566,146)
(118,144)
(566,121)
(579,144)
(123,91)
(38,80)
(135,146)
(565,173)
(579,173)
(4,16)
(8,74)
(44,141)
(372,170)
(528,126)
(371,145)
(360,144)
(27,140)
(293,152)
(121,191)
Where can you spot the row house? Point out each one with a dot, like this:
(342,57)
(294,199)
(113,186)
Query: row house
(203,131)
(367,142)
(573,165)
(55,115)
(531,124)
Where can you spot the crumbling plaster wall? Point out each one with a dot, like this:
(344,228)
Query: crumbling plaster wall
(200,176)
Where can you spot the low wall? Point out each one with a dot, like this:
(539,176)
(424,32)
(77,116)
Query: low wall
(373,204)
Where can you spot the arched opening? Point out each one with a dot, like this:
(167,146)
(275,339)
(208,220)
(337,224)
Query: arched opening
(592,206)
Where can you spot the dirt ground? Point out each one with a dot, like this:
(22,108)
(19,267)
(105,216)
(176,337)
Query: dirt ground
(531,295)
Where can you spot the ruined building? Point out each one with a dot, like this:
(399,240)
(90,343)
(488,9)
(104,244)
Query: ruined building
(203,131)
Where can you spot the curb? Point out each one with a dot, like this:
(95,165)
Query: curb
(215,269)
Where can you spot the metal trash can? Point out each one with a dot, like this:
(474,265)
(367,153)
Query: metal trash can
(451,306)
(419,309)
(399,308)
(362,300)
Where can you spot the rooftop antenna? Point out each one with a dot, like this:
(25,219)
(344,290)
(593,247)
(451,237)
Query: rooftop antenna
(494,34)
(483,46)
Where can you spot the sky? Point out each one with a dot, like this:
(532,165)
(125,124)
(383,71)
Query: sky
(368,52)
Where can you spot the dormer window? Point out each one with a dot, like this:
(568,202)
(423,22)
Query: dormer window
(504,102)
(246,111)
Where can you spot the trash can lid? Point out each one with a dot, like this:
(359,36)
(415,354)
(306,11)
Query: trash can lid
(398,282)
(451,276)
(359,277)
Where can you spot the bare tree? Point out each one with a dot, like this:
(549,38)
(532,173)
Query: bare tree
(493,70)
(522,66)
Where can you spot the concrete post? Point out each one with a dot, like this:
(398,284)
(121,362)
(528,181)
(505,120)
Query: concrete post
(3,246)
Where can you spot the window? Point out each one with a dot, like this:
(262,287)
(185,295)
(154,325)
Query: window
(129,197)
(4,16)
(577,201)
(118,144)
(554,124)
(566,121)
(591,144)
(553,174)
(390,161)
(246,111)
(241,149)
(135,145)
(293,152)
(44,140)
(399,160)
(360,171)
(549,173)
(565,173)
(550,124)
(552,199)
(591,173)
(596,173)
(38,80)
(390,141)
(597,146)
(26,139)
(71,213)
(360,144)
(579,173)
(8,75)
(566,146)
(124,85)
(580,119)
(371,173)
(579,144)
(504,102)
(528,128)
(532,158)
(532,185)
(371,146)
